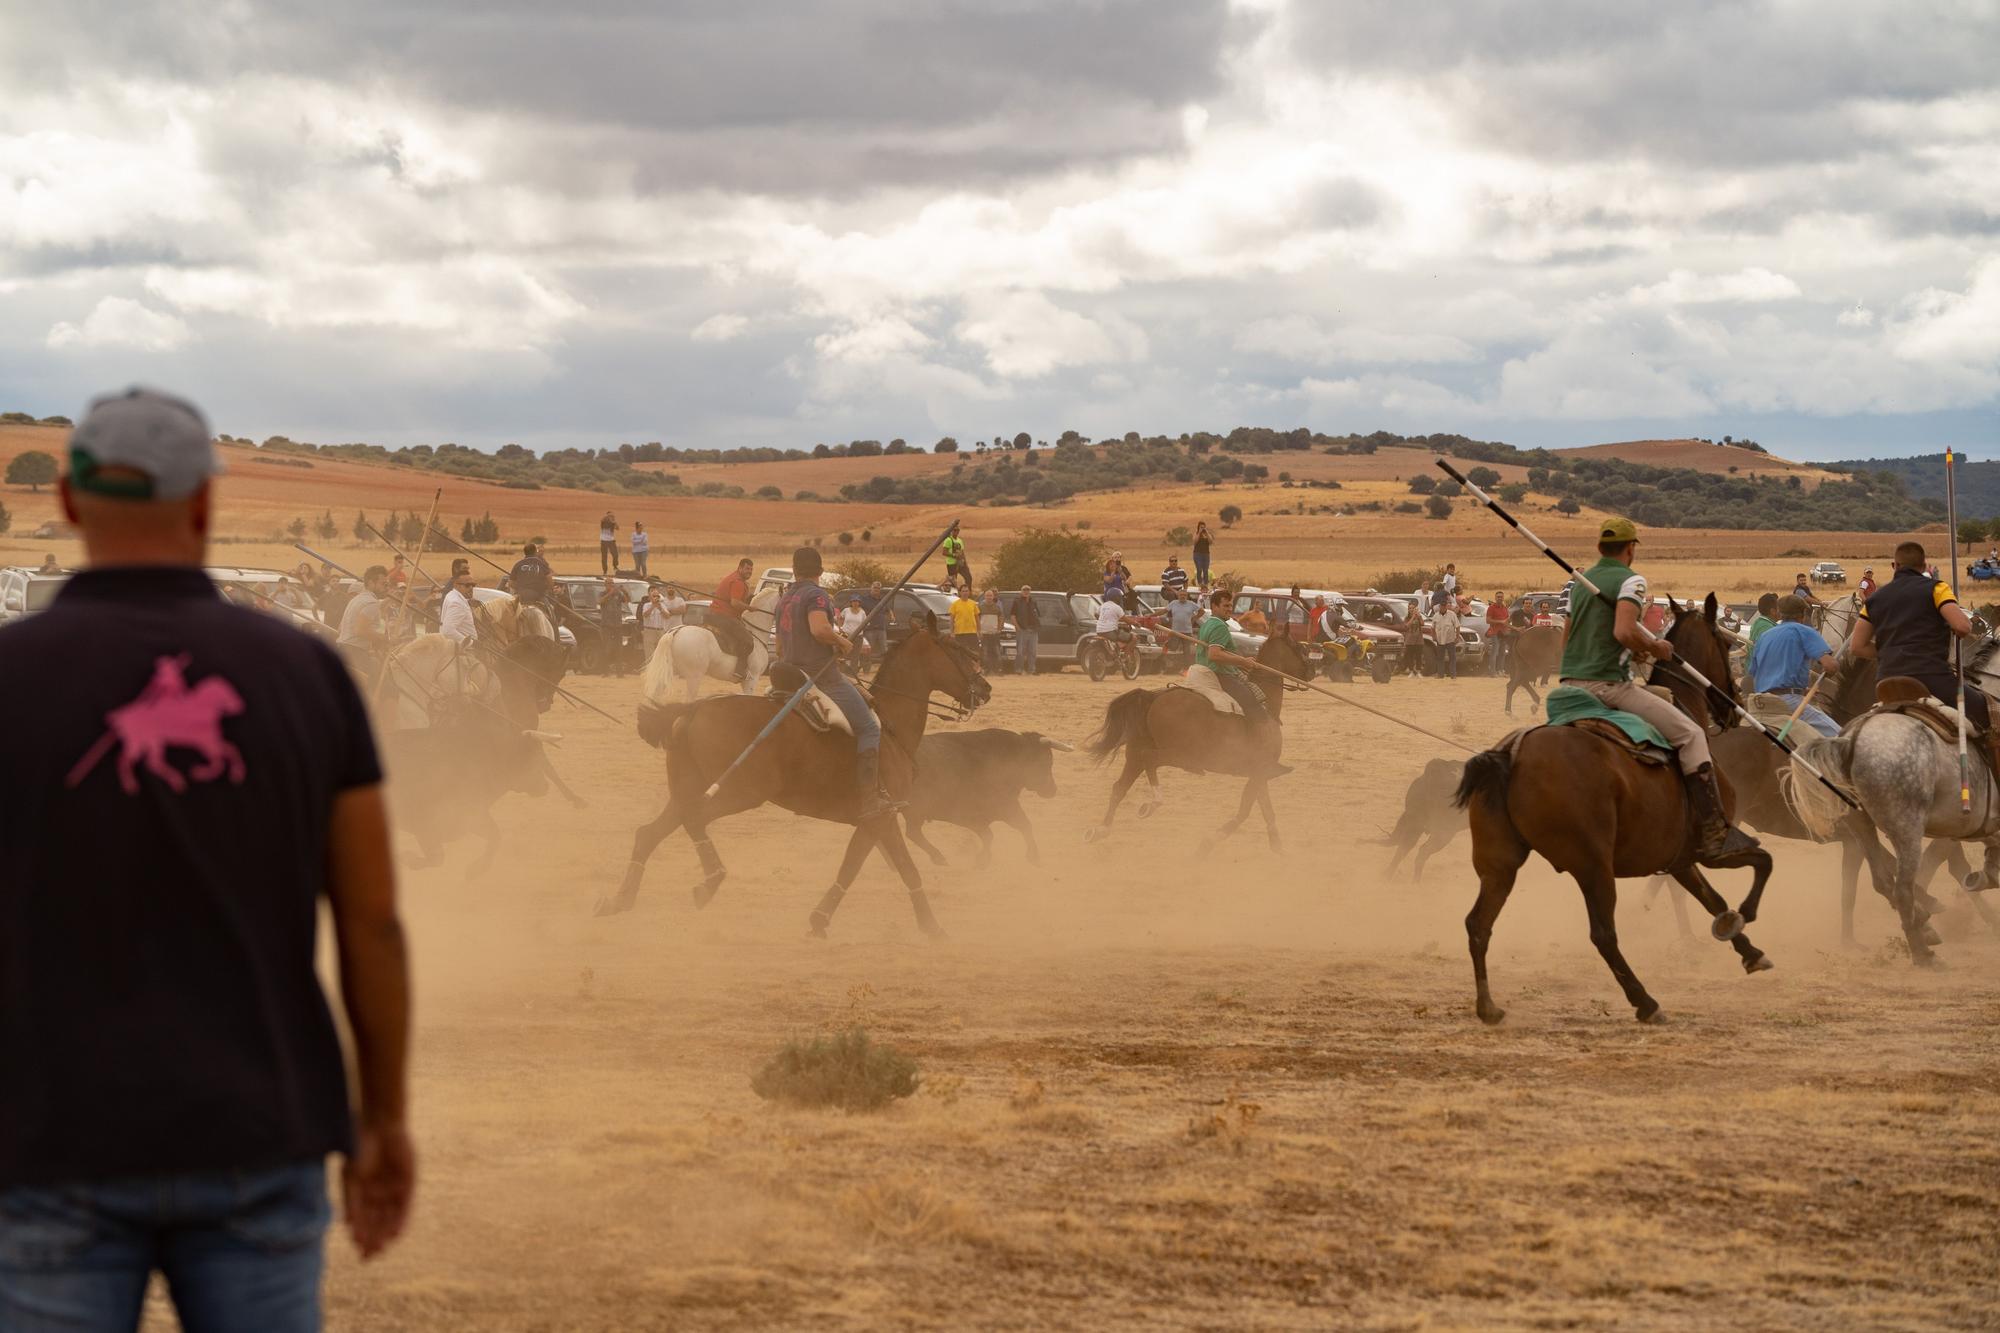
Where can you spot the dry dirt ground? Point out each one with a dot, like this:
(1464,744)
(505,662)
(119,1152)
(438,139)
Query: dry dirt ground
(1245,1091)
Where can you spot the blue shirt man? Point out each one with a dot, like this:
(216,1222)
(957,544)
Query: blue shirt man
(1784,658)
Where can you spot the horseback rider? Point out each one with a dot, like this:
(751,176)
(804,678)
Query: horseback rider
(531,578)
(1907,625)
(1782,663)
(1597,658)
(1217,651)
(808,641)
(725,614)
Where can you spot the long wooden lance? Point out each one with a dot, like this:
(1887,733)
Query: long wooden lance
(1304,684)
(1957,644)
(1678,666)
(798,695)
(403,599)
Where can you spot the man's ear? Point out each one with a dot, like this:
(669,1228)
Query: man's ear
(68,501)
(199,511)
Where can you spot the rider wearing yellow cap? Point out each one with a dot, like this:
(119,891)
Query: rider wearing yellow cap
(1597,658)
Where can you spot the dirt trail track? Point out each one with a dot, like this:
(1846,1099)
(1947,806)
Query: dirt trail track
(1166,1092)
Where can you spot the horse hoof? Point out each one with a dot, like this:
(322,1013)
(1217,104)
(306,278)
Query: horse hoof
(1652,1016)
(1727,926)
(1930,962)
(1094,832)
(1758,964)
(1491,1014)
(611,904)
(816,927)
(1931,937)
(704,892)
(1928,905)
(1977,882)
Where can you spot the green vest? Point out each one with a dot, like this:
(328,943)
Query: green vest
(1592,651)
(1215,630)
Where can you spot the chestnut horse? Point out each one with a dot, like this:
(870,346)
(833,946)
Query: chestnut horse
(1182,729)
(1598,813)
(807,772)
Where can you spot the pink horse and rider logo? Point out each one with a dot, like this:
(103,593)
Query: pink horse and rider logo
(169,712)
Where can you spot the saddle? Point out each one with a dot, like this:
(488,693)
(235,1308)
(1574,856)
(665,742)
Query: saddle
(1203,681)
(817,710)
(1651,755)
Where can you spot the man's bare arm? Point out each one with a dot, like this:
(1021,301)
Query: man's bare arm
(375,992)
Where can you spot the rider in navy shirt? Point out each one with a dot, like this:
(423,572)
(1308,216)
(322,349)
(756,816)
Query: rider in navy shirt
(808,640)
(191,780)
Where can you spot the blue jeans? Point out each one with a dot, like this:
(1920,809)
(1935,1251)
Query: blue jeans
(1027,642)
(867,731)
(1449,653)
(1811,717)
(241,1250)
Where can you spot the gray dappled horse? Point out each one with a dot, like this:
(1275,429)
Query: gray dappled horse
(1904,776)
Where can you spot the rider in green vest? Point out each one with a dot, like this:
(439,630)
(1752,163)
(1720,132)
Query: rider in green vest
(1605,635)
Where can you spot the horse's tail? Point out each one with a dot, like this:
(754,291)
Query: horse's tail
(1486,777)
(1124,723)
(1817,808)
(656,721)
(657,683)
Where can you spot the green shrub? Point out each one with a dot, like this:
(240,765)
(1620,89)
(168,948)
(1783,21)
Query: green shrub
(1230,516)
(1409,507)
(769,493)
(1180,536)
(844,1070)
(1514,493)
(1406,580)
(1437,507)
(858,572)
(1422,484)
(1056,561)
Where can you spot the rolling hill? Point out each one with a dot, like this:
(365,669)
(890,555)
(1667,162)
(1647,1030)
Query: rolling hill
(1923,477)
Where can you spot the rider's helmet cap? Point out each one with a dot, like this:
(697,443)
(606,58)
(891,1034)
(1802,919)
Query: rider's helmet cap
(1618,530)
(142,430)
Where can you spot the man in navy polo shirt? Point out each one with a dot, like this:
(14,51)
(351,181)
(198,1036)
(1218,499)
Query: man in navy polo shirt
(193,778)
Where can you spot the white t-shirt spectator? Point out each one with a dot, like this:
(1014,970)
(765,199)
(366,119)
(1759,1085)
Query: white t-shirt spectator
(1109,613)
(1447,587)
(455,617)
(1444,626)
(851,620)
(641,543)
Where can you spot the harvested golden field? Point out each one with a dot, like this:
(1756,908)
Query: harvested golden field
(1283,537)
(1161,1091)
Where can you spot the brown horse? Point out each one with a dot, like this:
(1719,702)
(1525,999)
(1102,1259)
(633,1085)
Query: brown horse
(1182,729)
(807,772)
(1597,813)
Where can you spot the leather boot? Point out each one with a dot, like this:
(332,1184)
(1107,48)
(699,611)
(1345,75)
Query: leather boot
(1715,836)
(868,776)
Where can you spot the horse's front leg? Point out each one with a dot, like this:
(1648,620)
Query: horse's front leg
(1270,817)
(858,847)
(1251,789)
(1134,765)
(645,840)
(1728,925)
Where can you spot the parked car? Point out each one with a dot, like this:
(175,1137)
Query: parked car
(777,576)
(1067,619)
(24,592)
(1827,571)
(51,531)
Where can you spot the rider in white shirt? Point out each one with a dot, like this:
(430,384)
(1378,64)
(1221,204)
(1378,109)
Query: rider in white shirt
(455,612)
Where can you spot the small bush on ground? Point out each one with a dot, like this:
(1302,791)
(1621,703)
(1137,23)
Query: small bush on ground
(1230,515)
(846,1070)
(1180,536)
(1437,507)
(858,572)
(1406,580)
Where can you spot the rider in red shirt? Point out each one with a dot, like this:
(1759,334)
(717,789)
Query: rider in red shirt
(725,616)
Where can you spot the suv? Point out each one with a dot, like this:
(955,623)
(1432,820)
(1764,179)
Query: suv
(24,592)
(1828,571)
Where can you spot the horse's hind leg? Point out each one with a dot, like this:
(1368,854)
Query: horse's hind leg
(1907,842)
(914,826)
(1134,765)
(1251,789)
(1270,817)
(1151,805)
(858,847)
(1497,854)
(1600,899)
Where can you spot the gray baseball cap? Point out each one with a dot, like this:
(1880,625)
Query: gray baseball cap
(164,437)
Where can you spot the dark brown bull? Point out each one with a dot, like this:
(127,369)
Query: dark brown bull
(1430,815)
(974,779)
(1536,654)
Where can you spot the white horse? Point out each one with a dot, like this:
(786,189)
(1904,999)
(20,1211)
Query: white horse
(431,668)
(690,653)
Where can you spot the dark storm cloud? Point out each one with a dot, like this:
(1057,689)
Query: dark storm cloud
(771,95)
(1723,82)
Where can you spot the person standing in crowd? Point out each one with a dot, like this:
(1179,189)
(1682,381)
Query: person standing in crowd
(49,565)
(878,629)
(1183,612)
(1867,584)
(362,629)
(852,618)
(174,1086)
(1413,643)
(1783,662)
(1499,634)
(1767,617)
(399,574)
(642,546)
(1297,618)
(655,619)
(965,621)
(1173,577)
(1027,631)
(1202,545)
(455,620)
(1447,591)
(956,569)
(725,616)
(1445,626)
(989,632)
(607,543)
(611,605)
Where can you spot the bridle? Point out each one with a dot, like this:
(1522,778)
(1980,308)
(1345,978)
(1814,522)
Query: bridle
(954,710)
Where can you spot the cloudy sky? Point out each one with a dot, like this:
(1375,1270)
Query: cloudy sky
(761,222)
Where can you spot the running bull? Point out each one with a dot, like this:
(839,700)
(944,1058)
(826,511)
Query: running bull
(974,779)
